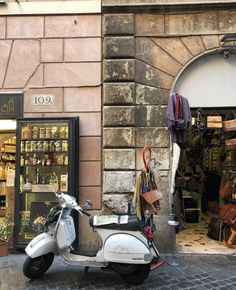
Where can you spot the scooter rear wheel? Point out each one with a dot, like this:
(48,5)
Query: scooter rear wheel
(35,267)
(138,275)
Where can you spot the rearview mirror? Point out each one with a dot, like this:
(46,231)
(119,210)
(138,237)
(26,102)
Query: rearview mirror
(89,203)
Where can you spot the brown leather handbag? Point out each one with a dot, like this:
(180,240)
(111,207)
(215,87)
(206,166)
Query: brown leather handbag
(226,189)
(230,125)
(228,214)
(230,144)
(152,196)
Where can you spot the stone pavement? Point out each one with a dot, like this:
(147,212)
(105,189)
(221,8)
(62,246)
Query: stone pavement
(201,272)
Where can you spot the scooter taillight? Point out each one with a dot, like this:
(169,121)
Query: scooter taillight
(148,233)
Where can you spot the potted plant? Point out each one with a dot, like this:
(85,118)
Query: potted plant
(6,227)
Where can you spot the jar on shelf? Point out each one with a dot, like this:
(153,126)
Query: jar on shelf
(64,145)
(57,145)
(42,132)
(49,132)
(55,132)
(35,132)
(62,132)
(26,132)
(45,146)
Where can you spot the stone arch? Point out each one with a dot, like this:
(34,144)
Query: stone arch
(163,59)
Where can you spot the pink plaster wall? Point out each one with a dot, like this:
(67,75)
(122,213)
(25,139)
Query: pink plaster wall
(60,56)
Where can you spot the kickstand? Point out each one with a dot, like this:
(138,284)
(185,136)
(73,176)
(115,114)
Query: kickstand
(83,276)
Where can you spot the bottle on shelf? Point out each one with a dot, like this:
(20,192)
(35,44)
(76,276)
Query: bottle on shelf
(37,176)
(26,132)
(22,146)
(35,132)
(48,132)
(66,160)
(22,161)
(27,159)
(34,160)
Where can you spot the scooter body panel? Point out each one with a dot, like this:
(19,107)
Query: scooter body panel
(42,244)
(65,235)
(126,248)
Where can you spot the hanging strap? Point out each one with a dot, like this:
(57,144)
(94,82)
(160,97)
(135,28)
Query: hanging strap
(147,156)
(177,106)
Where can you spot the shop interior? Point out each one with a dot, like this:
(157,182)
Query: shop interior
(7,167)
(207,162)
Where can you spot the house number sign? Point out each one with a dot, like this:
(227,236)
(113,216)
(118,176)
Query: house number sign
(43,100)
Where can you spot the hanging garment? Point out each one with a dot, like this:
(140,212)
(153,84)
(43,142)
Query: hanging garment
(146,195)
(174,165)
(178,116)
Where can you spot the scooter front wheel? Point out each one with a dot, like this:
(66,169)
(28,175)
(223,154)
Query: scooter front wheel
(138,275)
(35,267)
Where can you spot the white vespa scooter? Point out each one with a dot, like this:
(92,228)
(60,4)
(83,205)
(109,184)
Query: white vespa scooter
(125,248)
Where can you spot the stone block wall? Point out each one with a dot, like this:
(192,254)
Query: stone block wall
(59,56)
(143,54)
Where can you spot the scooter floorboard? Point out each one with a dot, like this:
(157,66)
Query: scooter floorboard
(84,253)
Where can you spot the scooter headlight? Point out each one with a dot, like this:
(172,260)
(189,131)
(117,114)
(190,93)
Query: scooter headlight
(62,202)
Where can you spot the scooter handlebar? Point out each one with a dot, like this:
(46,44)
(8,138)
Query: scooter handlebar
(86,213)
(80,210)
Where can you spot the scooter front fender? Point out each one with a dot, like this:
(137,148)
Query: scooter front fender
(41,245)
(128,249)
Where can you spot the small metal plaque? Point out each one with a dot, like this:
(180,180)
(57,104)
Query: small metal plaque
(11,105)
(43,100)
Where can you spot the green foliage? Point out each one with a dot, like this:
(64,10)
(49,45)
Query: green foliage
(6,227)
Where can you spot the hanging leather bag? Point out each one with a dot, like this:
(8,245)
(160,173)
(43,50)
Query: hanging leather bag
(214,229)
(214,122)
(229,237)
(227,189)
(230,144)
(228,214)
(152,196)
(230,125)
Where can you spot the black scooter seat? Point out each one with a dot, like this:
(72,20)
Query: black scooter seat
(116,222)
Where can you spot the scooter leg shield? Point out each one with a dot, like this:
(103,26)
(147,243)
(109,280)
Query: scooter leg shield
(41,245)
(124,248)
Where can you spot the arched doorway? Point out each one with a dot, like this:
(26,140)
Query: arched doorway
(208,82)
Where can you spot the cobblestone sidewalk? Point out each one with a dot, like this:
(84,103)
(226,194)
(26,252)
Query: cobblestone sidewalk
(201,272)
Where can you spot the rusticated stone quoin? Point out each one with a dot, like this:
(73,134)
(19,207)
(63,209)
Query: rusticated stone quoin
(146,74)
(118,137)
(119,93)
(152,137)
(119,159)
(153,116)
(119,116)
(118,181)
(118,47)
(118,70)
(118,24)
(147,95)
(116,203)
(161,155)
(149,24)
